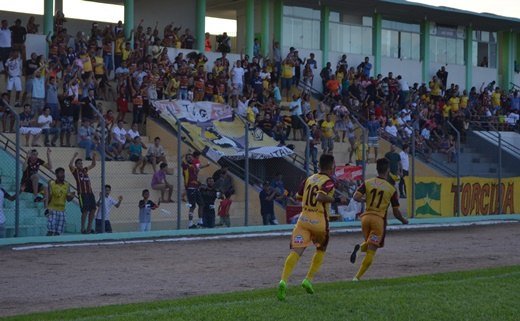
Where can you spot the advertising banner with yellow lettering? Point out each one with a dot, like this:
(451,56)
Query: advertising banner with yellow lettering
(213,129)
(437,196)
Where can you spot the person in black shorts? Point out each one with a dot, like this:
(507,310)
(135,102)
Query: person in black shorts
(87,200)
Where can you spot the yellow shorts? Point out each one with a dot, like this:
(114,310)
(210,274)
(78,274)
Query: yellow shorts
(310,230)
(374,228)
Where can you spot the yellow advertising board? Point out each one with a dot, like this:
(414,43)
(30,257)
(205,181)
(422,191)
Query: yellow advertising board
(437,196)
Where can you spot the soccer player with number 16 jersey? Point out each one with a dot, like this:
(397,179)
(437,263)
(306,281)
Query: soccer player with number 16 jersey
(316,193)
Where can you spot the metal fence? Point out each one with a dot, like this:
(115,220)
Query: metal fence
(26,218)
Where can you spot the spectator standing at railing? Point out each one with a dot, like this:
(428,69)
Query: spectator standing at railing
(325,75)
(13,67)
(442,74)
(327,135)
(32,26)
(374,129)
(87,199)
(366,67)
(405,166)
(267,196)
(18,36)
(58,195)
(109,203)
(395,165)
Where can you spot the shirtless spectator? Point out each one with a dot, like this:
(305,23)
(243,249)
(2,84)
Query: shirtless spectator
(28,126)
(30,181)
(155,154)
(224,181)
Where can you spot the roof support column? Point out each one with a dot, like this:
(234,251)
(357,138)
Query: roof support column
(376,42)
(200,29)
(506,60)
(129,18)
(324,34)
(277,21)
(468,57)
(250,27)
(266,43)
(48,16)
(425,50)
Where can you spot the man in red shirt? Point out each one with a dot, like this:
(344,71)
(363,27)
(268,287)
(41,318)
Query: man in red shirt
(87,200)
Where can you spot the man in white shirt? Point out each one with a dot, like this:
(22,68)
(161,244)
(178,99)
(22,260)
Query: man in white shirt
(48,126)
(13,66)
(38,92)
(237,79)
(404,90)
(405,166)
(512,118)
(295,107)
(109,203)
(391,130)
(242,106)
(133,132)
(118,140)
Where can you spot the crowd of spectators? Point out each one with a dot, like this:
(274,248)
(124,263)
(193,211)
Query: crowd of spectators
(62,91)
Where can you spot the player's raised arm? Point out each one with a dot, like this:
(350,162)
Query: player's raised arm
(71,163)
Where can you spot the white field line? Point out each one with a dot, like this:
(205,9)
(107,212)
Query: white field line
(251,235)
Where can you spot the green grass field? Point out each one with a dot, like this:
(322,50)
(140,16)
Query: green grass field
(492,294)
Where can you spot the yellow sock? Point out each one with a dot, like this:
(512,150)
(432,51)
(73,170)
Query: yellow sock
(290,263)
(317,259)
(367,261)
(364,247)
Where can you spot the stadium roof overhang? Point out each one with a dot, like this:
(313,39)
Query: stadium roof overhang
(398,10)
(409,12)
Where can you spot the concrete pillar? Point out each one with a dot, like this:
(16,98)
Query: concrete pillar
(324,34)
(129,18)
(266,42)
(278,21)
(250,27)
(425,50)
(200,30)
(468,57)
(376,42)
(48,16)
(506,59)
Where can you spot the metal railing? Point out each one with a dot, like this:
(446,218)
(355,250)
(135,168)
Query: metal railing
(458,167)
